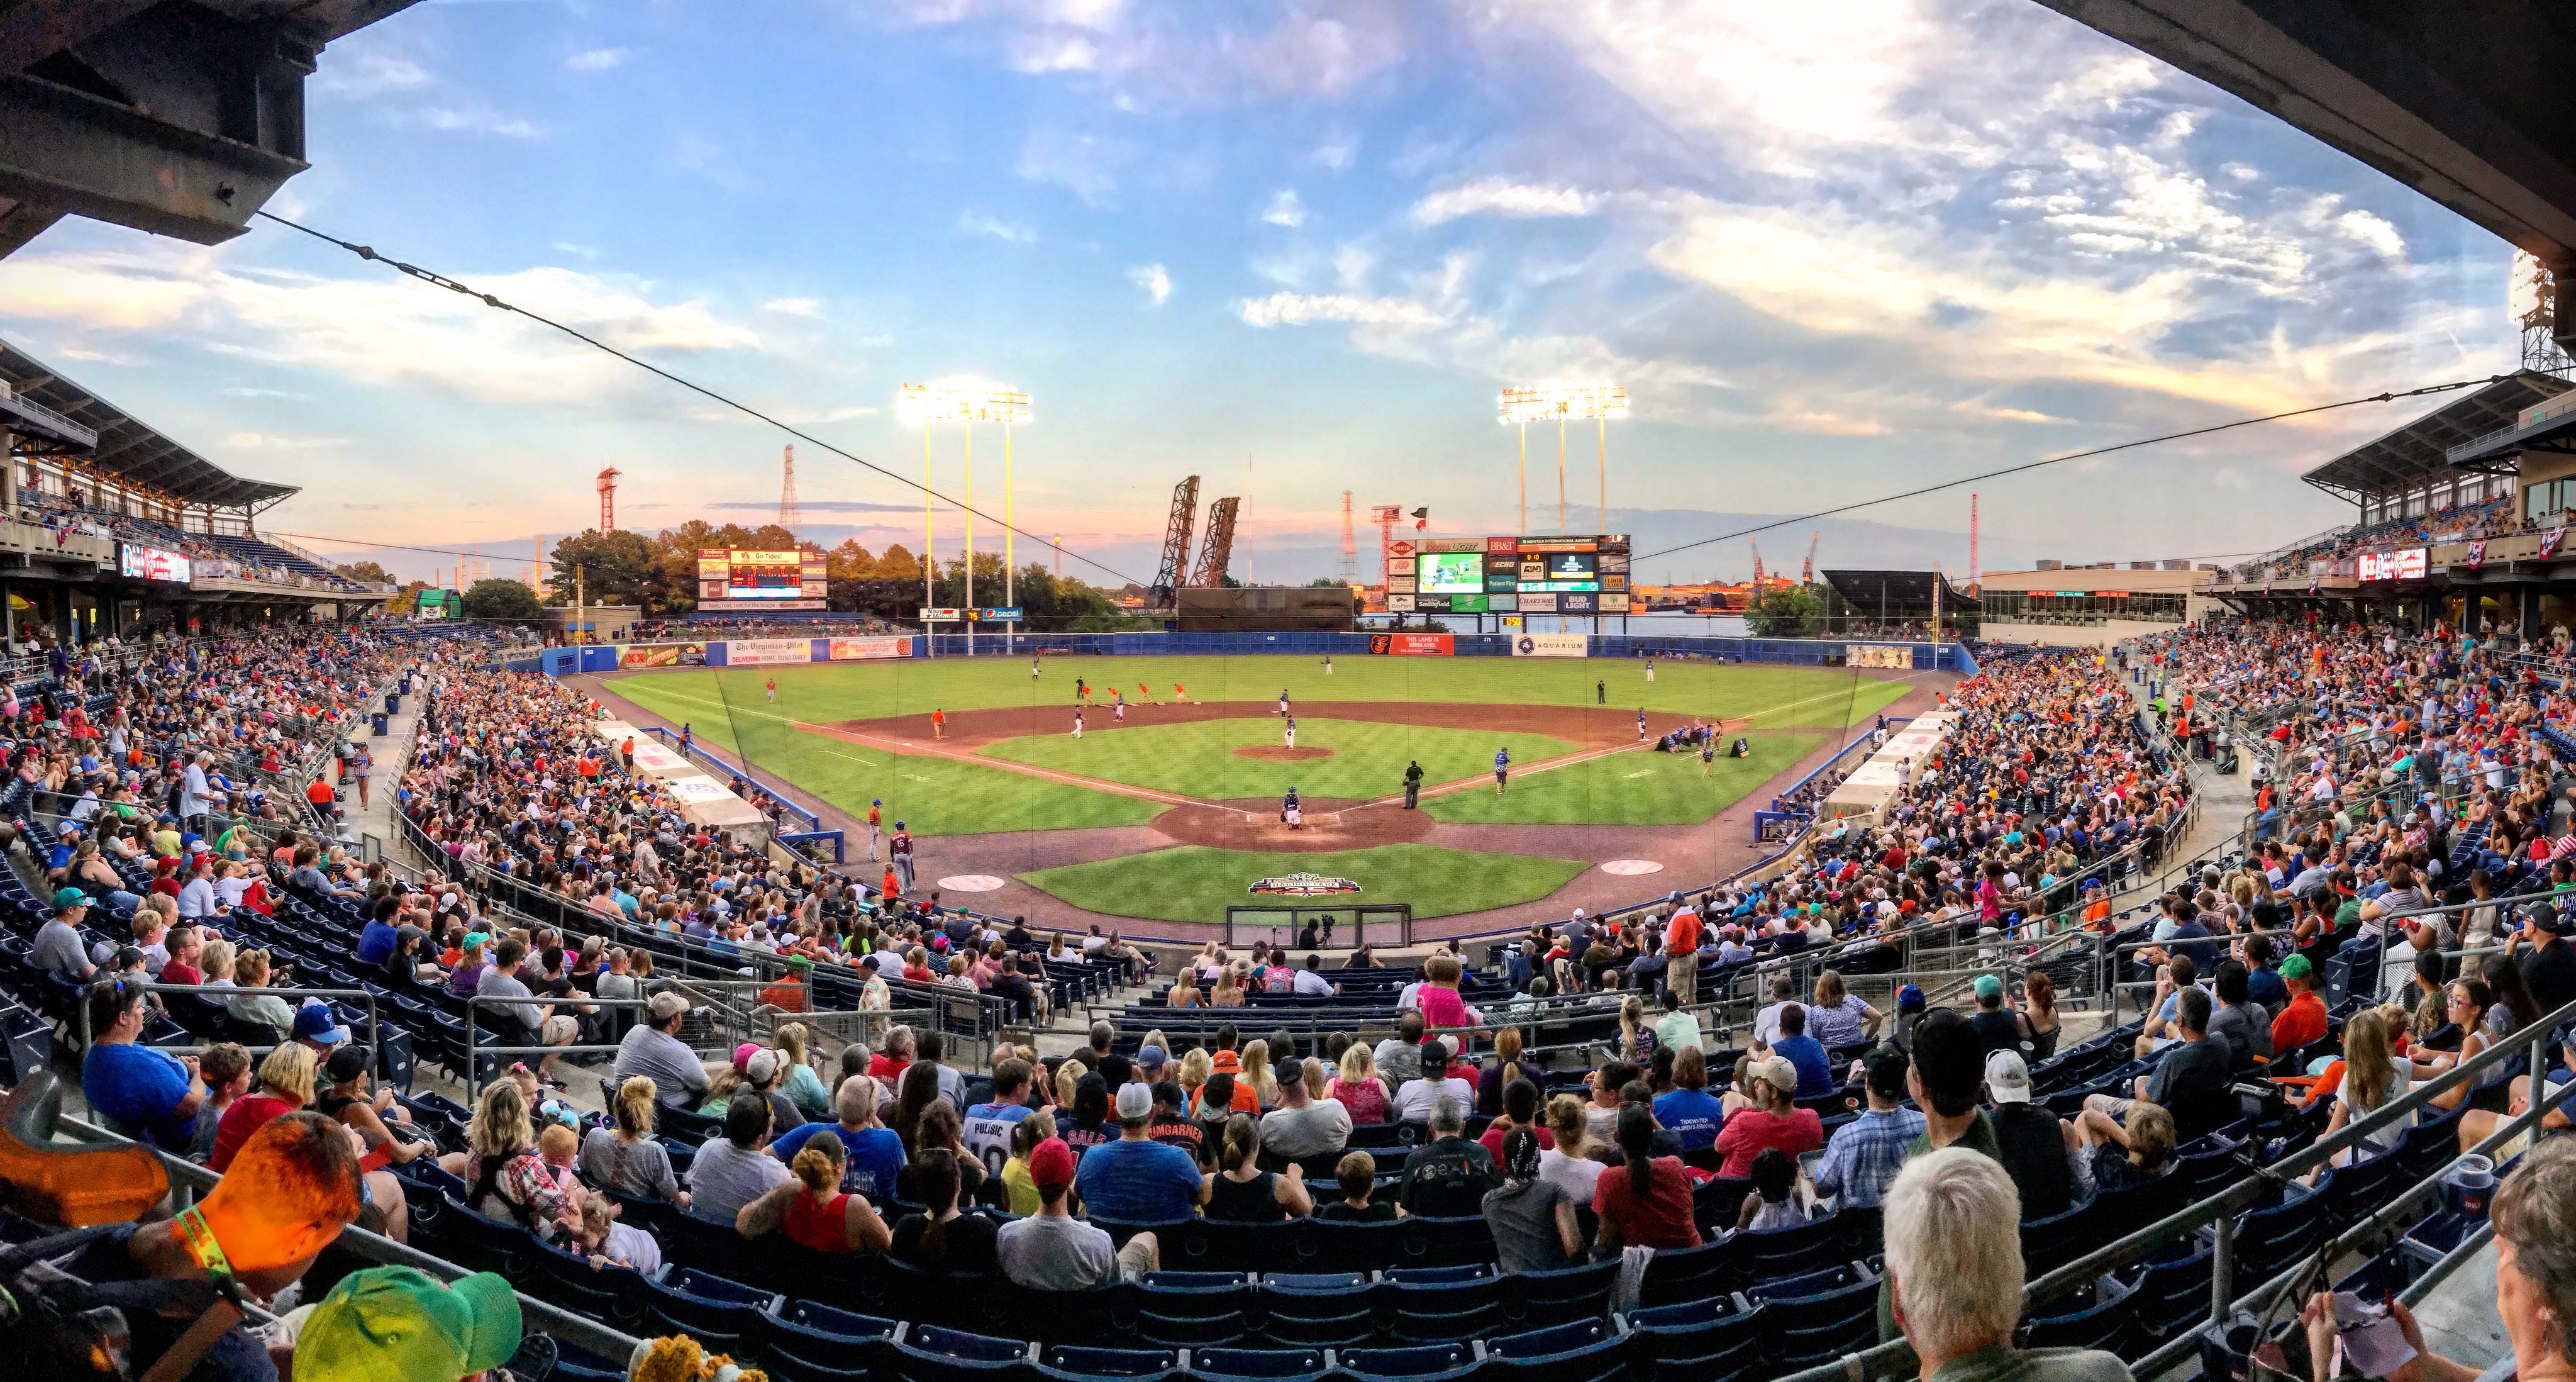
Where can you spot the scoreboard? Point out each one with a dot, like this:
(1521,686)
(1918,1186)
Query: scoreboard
(734,579)
(1509,575)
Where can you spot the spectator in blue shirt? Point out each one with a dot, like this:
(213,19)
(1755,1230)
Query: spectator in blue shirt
(378,939)
(875,1150)
(145,1093)
(1867,1152)
(1136,1179)
(1689,1110)
(1801,1050)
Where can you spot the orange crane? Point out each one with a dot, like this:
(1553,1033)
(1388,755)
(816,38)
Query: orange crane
(1757,567)
(1807,573)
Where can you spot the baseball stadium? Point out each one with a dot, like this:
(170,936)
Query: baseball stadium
(887,691)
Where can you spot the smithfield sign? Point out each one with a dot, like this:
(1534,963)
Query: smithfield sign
(1303,885)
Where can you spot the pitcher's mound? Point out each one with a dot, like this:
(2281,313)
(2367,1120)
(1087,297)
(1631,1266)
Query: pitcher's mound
(1259,828)
(1280,753)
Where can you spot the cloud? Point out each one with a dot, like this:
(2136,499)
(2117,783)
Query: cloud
(259,441)
(1501,197)
(477,120)
(366,73)
(793,307)
(1285,209)
(264,393)
(995,228)
(1300,309)
(380,330)
(102,357)
(1155,280)
(2371,231)
(1186,55)
(1336,154)
(598,59)
(1087,165)
(814,506)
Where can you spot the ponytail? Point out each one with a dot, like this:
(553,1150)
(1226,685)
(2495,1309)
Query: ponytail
(1637,1145)
(635,1108)
(1241,1142)
(935,1177)
(818,1162)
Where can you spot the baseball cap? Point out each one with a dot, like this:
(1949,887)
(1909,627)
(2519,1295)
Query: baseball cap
(666,1005)
(762,1068)
(67,898)
(399,1324)
(314,1022)
(1289,1070)
(1135,1101)
(348,1063)
(742,1056)
(1777,1072)
(2297,967)
(1909,999)
(1152,1058)
(405,934)
(1051,1161)
(1988,986)
(2008,1078)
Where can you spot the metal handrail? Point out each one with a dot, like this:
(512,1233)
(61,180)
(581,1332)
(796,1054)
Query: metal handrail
(375,1021)
(1897,1356)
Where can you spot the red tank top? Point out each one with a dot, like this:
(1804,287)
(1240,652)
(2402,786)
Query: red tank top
(822,1226)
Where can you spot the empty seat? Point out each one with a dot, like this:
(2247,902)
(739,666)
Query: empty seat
(1577,1351)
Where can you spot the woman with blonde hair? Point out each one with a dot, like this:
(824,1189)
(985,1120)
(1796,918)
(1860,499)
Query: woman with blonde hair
(252,970)
(506,1178)
(1068,1078)
(1257,1073)
(217,964)
(285,1085)
(2372,1078)
(1357,1086)
(812,1209)
(1636,1039)
(1184,992)
(1196,1066)
(1230,988)
(1570,1162)
(625,1157)
(1838,1017)
(1311,1071)
(800,1084)
(1507,1066)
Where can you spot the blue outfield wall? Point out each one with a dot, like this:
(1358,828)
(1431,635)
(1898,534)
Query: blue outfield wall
(1800,652)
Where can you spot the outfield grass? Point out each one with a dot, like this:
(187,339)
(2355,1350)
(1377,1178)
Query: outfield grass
(1194,883)
(1628,788)
(1198,759)
(938,796)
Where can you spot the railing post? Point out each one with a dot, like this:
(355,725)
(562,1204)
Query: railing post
(2222,1270)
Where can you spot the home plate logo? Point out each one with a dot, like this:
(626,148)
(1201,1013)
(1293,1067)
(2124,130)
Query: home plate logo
(970,883)
(1303,885)
(1628,868)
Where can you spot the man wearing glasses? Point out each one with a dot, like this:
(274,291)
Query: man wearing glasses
(141,1091)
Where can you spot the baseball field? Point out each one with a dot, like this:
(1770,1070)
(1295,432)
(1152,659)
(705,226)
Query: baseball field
(1169,806)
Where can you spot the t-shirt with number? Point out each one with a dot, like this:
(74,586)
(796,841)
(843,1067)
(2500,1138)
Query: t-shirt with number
(987,1133)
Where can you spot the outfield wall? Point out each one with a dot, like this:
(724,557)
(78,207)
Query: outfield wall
(774,652)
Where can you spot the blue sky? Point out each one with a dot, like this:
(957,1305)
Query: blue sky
(1294,246)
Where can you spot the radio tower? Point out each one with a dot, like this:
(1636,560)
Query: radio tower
(1972,544)
(788,515)
(1350,544)
(608,500)
(537,566)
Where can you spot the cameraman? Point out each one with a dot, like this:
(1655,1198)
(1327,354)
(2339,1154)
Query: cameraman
(291,1189)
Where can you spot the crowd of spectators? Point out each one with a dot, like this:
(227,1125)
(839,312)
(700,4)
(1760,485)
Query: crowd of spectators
(2457,523)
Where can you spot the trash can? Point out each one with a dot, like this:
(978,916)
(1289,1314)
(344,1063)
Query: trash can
(393,702)
(380,725)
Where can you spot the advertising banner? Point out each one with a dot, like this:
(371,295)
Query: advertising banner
(1451,544)
(1400,585)
(1552,645)
(1413,644)
(153,564)
(1537,602)
(723,606)
(1578,602)
(867,649)
(1433,604)
(1878,655)
(753,652)
(1399,604)
(662,655)
(1614,602)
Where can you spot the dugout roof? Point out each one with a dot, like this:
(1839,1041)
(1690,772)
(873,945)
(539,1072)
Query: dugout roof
(2421,452)
(1903,594)
(125,450)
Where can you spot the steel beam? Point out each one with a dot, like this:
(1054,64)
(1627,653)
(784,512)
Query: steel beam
(77,153)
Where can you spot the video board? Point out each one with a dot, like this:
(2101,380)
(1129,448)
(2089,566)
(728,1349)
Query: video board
(2405,564)
(1510,575)
(142,563)
(737,579)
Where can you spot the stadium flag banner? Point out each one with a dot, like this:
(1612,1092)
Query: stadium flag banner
(753,652)
(662,655)
(1878,655)
(1414,644)
(1552,645)
(868,649)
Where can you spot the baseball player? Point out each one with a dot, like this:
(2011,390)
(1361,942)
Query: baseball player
(1144,693)
(1641,724)
(1180,693)
(938,723)
(876,816)
(1118,706)
(1292,731)
(1708,754)
(1283,703)
(1502,770)
(772,687)
(1033,669)
(1077,720)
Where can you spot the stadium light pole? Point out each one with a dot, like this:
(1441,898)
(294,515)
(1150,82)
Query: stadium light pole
(1560,404)
(966,404)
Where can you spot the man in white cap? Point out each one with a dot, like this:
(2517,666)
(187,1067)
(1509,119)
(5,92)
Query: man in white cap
(1136,1179)
(2030,1141)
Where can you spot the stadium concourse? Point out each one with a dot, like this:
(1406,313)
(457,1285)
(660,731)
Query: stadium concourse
(709,1092)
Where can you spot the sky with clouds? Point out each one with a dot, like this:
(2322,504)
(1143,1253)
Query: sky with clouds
(1294,246)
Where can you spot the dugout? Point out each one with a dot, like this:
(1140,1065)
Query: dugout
(1266,609)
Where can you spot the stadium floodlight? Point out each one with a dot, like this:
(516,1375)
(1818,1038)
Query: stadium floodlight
(1560,403)
(965,404)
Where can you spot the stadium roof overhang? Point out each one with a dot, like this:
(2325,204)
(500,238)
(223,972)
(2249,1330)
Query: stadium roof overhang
(58,412)
(2423,450)
(179,117)
(1905,593)
(2464,103)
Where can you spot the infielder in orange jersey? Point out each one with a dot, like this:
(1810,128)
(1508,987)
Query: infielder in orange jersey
(1144,693)
(1180,693)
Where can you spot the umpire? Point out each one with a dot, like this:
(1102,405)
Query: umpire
(1412,785)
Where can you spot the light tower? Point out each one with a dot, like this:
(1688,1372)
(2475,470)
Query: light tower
(1350,545)
(967,404)
(608,500)
(789,517)
(1559,403)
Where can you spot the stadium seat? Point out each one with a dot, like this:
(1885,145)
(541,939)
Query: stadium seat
(1682,1274)
(726,1316)
(1579,1351)
(807,1338)
(1534,1300)
(1715,1338)
(611,1295)
(1319,1310)
(1439,1304)
(1785,1252)
(1811,1318)
(1258,1365)
(1063,1363)
(2095,1316)
(932,1354)
(1444,1362)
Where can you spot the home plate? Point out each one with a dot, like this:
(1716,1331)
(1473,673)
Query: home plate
(987,883)
(1630,867)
